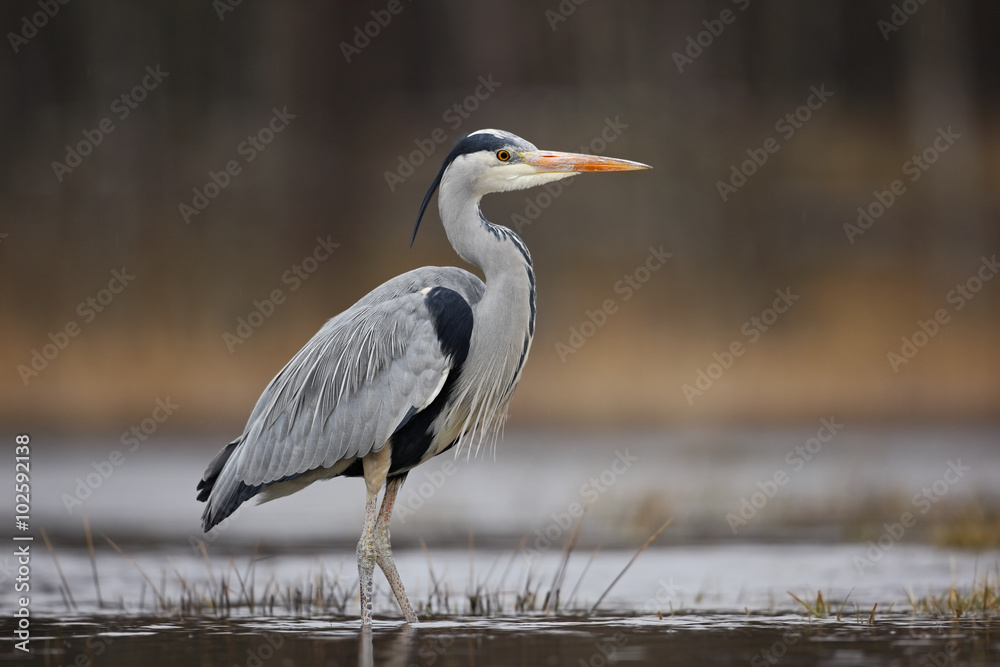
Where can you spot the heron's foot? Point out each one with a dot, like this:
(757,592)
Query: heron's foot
(366,570)
(383,556)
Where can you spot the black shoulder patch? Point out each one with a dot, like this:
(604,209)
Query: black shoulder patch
(453,319)
(452,322)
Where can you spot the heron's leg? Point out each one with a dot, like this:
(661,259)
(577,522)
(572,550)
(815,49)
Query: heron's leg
(383,549)
(376,466)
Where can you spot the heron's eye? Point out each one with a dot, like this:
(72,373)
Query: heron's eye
(503,155)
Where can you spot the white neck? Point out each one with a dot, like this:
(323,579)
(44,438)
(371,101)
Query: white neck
(504,319)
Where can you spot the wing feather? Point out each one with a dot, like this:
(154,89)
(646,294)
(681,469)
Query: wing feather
(359,379)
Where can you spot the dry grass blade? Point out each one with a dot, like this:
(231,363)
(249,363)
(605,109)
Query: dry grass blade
(579,581)
(844,603)
(159,597)
(430,565)
(70,602)
(191,592)
(652,538)
(250,576)
(911,599)
(812,612)
(93,560)
(510,563)
(436,592)
(871,616)
(208,563)
(243,585)
(471,588)
(560,575)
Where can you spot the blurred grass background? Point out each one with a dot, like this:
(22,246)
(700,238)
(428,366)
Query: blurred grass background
(560,84)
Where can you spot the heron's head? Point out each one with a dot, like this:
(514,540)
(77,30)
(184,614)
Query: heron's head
(496,161)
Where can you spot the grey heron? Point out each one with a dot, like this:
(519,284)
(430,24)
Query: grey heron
(425,362)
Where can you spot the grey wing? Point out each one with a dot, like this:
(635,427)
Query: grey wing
(459,280)
(362,376)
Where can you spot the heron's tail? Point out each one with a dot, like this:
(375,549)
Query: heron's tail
(213,513)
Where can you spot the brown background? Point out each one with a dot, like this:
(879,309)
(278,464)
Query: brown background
(324,176)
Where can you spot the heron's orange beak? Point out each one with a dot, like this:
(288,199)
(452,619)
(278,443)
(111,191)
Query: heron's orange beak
(577,162)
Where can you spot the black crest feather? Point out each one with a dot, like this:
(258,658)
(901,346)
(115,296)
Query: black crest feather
(473,143)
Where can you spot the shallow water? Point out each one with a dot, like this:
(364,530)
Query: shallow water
(702,595)
(691,605)
(704,639)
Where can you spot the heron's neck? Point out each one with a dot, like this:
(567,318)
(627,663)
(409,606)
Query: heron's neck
(504,319)
(508,306)
(498,251)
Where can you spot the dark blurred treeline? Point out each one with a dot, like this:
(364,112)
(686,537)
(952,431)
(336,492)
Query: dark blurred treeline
(259,129)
